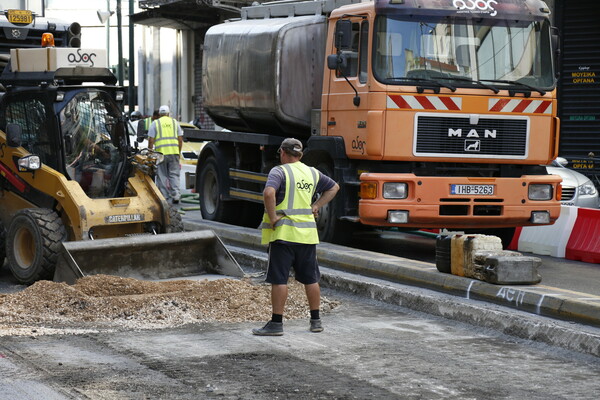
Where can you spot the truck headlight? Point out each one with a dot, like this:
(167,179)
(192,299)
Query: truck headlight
(587,188)
(540,217)
(540,192)
(398,217)
(395,190)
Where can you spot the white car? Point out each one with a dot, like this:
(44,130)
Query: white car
(577,189)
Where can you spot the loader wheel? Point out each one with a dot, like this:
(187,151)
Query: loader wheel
(175,221)
(2,244)
(209,189)
(33,243)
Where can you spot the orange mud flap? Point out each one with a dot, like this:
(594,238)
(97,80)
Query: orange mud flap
(147,257)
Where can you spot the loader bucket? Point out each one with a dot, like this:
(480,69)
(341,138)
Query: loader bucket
(148,257)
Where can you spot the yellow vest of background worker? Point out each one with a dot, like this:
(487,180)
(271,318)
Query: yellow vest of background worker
(166,140)
(298,224)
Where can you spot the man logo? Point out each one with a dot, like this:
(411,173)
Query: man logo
(473,145)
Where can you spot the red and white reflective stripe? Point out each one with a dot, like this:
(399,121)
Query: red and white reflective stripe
(424,102)
(521,106)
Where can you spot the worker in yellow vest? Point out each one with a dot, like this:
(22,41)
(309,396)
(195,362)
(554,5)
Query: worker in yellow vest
(143,126)
(290,229)
(166,135)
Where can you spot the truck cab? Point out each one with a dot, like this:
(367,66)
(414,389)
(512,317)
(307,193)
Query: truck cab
(447,111)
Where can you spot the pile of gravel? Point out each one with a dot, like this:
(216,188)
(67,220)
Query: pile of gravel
(101,302)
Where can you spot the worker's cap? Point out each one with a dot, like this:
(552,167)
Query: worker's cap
(292,146)
(164,109)
(135,115)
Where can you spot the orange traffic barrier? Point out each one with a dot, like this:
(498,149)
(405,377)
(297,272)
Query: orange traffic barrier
(584,242)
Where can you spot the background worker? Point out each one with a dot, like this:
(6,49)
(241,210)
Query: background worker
(290,229)
(143,126)
(167,135)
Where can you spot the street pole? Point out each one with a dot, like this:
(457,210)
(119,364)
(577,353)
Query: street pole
(120,41)
(108,31)
(131,91)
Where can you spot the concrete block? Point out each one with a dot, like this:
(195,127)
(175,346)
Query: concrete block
(474,244)
(511,270)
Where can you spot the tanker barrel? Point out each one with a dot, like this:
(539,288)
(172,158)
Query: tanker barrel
(147,257)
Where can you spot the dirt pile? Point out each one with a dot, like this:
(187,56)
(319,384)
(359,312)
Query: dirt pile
(101,301)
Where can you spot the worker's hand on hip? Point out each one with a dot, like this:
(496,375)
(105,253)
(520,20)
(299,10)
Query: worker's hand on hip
(315,211)
(274,221)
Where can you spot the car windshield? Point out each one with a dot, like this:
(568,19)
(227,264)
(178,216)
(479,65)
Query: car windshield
(463,52)
(94,131)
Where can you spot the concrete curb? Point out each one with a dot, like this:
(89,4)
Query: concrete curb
(537,299)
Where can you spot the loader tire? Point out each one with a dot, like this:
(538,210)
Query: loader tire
(2,244)
(212,205)
(33,243)
(175,221)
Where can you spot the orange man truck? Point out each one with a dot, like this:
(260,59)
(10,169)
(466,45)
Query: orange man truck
(428,113)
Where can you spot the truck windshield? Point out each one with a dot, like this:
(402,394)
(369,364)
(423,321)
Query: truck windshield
(507,53)
(93,133)
(37,6)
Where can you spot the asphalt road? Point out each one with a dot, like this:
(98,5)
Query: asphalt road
(369,350)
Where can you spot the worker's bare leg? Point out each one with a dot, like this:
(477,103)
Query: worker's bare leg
(279,295)
(313,293)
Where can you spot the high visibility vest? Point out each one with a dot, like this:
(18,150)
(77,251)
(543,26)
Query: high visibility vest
(298,224)
(147,123)
(166,140)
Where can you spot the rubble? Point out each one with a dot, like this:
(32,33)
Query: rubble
(100,302)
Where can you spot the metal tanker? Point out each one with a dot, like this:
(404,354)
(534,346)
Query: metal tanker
(288,52)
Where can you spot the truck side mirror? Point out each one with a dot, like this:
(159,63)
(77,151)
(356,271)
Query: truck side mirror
(343,35)
(335,61)
(13,135)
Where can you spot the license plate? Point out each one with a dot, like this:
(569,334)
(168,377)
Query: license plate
(479,190)
(19,16)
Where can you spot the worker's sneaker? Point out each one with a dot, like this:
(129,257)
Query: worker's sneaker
(270,329)
(315,325)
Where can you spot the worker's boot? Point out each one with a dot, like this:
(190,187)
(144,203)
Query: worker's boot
(270,329)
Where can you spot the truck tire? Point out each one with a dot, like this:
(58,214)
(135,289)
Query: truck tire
(212,206)
(175,221)
(33,243)
(331,228)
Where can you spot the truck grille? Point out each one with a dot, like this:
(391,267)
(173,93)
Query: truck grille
(456,136)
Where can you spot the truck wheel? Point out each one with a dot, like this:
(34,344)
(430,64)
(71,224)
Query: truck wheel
(33,243)
(209,189)
(331,228)
(175,221)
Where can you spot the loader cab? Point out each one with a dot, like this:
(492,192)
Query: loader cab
(31,110)
(94,138)
(78,132)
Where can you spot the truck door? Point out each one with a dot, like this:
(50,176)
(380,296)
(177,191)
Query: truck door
(347,100)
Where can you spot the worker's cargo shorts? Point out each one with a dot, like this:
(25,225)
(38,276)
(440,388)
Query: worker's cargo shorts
(285,255)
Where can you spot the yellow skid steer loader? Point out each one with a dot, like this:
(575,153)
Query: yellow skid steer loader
(69,174)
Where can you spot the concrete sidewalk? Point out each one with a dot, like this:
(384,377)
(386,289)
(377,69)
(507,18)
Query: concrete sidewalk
(558,303)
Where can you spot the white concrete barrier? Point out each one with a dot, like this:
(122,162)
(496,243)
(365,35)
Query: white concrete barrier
(549,240)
